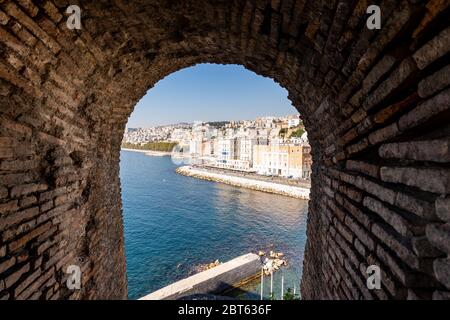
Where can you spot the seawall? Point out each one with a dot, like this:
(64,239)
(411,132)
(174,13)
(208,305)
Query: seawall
(265,186)
(215,280)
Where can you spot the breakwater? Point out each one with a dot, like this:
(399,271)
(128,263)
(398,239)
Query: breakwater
(213,281)
(265,186)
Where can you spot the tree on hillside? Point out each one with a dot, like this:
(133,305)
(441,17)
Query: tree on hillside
(151,146)
(298,133)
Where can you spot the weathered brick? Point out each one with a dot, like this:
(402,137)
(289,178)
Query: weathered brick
(18,229)
(52,11)
(13,43)
(361,233)
(441,295)
(352,193)
(427,150)
(26,189)
(394,219)
(10,206)
(434,49)
(423,248)
(15,165)
(417,295)
(393,265)
(434,8)
(17,217)
(425,111)
(443,208)
(3,192)
(3,18)
(25,36)
(6,153)
(434,83)
(358,147)
(439,236)
(5,265)
(381,68)
(26,282)
(7,142)
(344,245)
(4,296)
(35,286)
(360,248)
(15,179)
(384,134)
(401,250)
(15,11)
(415,205)
(29,7)
(433,180)
(363,167)
(376,189)
(396,78)
(345,232)
(389,112)
(15,276)
(27,201)
(34,233)
(442,271)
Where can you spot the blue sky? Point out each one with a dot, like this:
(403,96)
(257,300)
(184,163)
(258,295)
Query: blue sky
(210,92)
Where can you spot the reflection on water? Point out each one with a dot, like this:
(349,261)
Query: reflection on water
(173,223)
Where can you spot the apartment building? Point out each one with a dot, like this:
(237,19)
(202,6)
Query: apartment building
(286,160)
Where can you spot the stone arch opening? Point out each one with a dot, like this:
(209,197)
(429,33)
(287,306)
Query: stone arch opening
(375,104)
(265,216)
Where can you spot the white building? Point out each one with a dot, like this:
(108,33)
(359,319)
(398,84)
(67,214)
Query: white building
(226,148)
(295,122)
(245,148)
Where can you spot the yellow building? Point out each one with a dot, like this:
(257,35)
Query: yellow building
(286,160)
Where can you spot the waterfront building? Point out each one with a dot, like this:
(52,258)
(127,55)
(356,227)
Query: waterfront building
(245,149)
(226,150)
(285,160)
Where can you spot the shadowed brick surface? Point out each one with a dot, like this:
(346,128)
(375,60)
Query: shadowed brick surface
(376,104)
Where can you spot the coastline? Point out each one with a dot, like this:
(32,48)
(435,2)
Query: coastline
(149,152)
(245,182)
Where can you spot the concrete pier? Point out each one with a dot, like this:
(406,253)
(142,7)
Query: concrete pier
(215,280)
(265,186)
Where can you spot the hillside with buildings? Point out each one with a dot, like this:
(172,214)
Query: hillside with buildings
(276,146)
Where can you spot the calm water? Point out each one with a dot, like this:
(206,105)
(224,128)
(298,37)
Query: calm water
(173,223)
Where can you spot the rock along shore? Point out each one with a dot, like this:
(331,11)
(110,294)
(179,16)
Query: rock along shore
(265,186)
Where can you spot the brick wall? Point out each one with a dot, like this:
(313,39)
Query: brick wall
(376,104)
